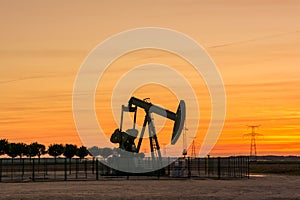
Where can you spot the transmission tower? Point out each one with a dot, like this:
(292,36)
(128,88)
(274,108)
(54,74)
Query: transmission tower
(253,135)
(193,153)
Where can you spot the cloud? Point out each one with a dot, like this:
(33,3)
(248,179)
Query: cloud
(32,78)
(253,39)
(23,79)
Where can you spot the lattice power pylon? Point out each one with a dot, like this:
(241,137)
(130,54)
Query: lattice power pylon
(253,134)
(193,153)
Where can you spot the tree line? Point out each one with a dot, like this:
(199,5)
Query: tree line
(36,149)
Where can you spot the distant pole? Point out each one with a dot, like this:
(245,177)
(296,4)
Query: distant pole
(253,134)
(184,143)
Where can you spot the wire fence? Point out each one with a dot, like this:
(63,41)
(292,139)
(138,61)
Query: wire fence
(61,169)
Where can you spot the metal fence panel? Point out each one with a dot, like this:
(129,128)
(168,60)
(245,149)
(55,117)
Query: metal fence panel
(61,169)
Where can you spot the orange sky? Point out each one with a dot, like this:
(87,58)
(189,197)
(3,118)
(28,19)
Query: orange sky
(255,44)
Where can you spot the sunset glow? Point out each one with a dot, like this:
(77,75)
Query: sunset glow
(255,44)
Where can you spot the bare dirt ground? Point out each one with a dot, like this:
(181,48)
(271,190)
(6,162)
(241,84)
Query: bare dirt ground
(268,187)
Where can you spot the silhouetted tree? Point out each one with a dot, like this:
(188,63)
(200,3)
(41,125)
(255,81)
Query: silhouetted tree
(12,151)
(82,152)
(41,150)
(21,149)
(36,149)
(55,150)
(32,150)
(70,152)
(3,146)
(105,152)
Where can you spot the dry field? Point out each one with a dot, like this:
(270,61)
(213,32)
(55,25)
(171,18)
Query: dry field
(267,187)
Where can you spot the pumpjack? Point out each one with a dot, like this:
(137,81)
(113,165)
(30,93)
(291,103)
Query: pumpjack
(126,140)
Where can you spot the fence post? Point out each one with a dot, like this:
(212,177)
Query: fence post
(22,176)
(54,168)
(169,166)
(241,167)
(248,167)
(208,165)
(85,168)
(228,167)
(97,170)
(0,170)
(44,170)
(12,169)
(76,168)
(219,167)
(70,166)
(189,168)
(65,169)
(33,175)
(198,166)
(46,166)
(234,166)
(93,165)
(205,166)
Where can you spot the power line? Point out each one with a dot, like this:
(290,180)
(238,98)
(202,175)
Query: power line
(184,143)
